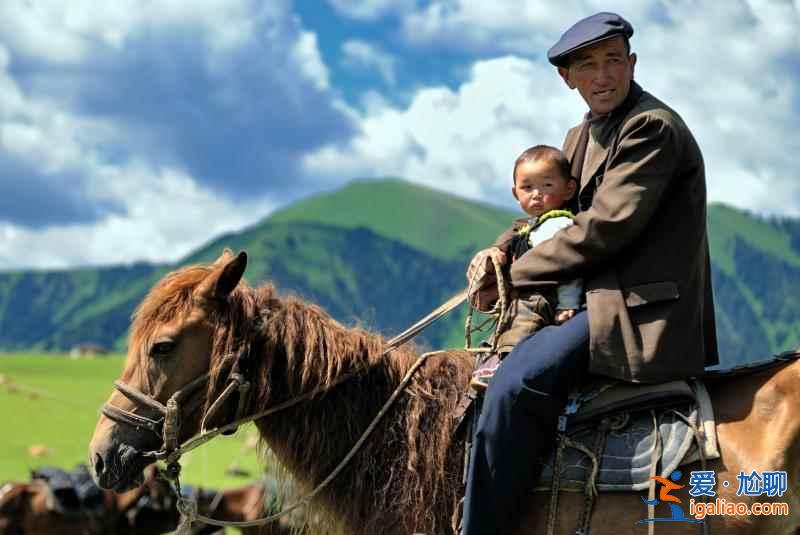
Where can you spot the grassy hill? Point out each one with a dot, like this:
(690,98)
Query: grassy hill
(437,223)
(57,309)
(384,253)
(756,268)
(357,275)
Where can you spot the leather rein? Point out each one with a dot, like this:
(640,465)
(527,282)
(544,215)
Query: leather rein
(167,426)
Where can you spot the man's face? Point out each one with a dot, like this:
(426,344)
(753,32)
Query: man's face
(601,73)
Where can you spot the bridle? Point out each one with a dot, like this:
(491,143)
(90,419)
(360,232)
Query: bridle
(188,399)
(167,426)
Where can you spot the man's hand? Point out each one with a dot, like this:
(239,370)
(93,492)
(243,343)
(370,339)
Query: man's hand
(482,265)
(481,278)
(564,315)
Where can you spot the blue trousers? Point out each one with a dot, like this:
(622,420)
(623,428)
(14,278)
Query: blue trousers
(518,422)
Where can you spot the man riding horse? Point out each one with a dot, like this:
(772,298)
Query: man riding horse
(640,243)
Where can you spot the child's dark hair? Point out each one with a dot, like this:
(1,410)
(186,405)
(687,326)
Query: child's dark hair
(544,152)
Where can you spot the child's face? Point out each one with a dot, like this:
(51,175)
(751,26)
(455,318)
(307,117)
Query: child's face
(540,187)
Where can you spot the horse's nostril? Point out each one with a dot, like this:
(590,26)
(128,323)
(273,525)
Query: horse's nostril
(98,464)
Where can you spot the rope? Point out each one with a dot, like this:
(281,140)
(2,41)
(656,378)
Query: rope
(188,506)
(655,455)
(590,491)
(699,440)
(552,514)
(15,388)
(189,512)
(499,311)
(391,344)
(423,323)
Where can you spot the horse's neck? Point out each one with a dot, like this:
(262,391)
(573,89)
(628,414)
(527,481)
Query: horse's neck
(312,351)
(407,454)
(308,351)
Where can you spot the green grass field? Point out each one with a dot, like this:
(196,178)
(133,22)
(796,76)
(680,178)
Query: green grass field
(53,401)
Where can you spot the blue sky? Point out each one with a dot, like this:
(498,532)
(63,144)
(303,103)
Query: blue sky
(135,130)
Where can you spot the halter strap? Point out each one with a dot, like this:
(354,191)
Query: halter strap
(167,427)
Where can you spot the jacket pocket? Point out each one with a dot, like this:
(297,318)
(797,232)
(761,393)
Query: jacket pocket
(652,292)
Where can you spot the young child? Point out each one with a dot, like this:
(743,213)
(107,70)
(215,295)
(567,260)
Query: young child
(544,188)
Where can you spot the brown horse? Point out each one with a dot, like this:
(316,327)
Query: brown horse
(28,509)
(407,477)
(24,510)
(148,509)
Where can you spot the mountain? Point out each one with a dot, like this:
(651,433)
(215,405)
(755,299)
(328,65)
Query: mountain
(436,223)
(382,253)
(756,274)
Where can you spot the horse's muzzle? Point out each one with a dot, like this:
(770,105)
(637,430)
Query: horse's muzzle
(119,468)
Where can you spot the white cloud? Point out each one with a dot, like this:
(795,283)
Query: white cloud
(370,9)
(465,140)
(306,53)
(474,25)
(167,216)
(361,54)
(144,202)
(525,27)
(65,32)
(729,68)
(737,91)
(164,215)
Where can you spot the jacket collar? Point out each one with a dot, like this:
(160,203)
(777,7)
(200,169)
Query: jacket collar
(602,130)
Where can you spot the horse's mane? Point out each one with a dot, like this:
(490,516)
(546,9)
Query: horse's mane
(406,476)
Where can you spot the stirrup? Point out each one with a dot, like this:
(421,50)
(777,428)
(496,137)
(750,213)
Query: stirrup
(479,385)
(481,377)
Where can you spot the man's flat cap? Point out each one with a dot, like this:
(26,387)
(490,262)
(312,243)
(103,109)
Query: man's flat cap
(586,32)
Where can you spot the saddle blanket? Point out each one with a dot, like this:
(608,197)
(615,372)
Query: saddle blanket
(625,463)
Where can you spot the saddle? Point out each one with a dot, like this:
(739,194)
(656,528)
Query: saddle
(71,493)
(615,436)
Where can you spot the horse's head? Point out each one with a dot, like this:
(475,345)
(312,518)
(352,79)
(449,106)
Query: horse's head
(183,325)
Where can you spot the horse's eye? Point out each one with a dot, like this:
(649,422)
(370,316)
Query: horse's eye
(162,349)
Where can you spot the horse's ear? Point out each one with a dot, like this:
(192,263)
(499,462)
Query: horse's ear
(224,279)
(225,257)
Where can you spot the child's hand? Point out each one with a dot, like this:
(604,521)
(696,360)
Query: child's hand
(564,315)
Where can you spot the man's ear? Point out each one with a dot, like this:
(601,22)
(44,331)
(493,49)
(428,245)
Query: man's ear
(564,73)
(222,280)
(632,60)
